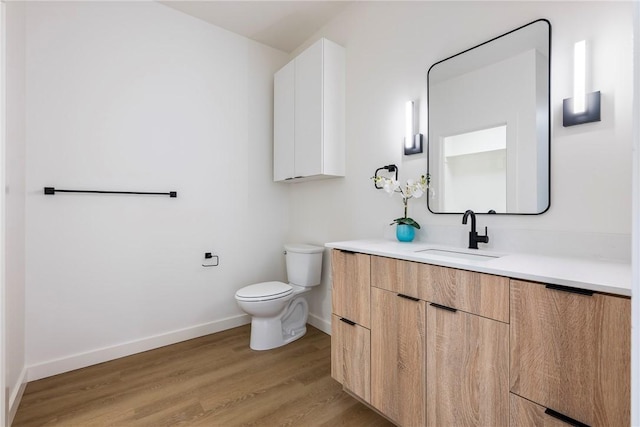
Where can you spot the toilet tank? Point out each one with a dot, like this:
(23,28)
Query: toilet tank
(304,264)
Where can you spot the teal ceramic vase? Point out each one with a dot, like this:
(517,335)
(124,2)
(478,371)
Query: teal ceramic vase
(405,233)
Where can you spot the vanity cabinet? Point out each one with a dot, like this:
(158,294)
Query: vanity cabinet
(398,357)
(570,352)
(350,333)
(450,347)
(309,115)
(430,341)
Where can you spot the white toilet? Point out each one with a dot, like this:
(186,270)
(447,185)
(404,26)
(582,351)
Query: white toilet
(279,311)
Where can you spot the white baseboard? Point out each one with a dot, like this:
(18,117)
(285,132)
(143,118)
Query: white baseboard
(82,360)
(320,323)
(16,396)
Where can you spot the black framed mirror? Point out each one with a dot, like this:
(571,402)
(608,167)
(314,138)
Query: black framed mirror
(489,125)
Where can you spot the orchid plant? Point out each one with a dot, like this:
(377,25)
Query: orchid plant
(412,189)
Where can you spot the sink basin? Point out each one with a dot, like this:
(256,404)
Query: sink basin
(459,255)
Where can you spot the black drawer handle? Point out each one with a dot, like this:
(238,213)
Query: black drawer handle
(444,307)
(347,252)
(564,418)
(570,290)
(408,297)
(348,322)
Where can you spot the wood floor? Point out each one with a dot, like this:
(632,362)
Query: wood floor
(215,380)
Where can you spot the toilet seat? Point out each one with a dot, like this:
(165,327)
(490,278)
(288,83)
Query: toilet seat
(265,291)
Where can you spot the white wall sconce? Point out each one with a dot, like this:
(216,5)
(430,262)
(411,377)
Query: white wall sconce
(583,107)
(412,138)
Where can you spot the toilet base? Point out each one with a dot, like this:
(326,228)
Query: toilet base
(273,332)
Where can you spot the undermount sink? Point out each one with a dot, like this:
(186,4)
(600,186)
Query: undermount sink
(459,255)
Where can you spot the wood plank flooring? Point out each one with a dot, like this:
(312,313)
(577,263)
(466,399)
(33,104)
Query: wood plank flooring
(216,380)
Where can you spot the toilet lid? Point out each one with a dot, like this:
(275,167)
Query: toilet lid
(264,291)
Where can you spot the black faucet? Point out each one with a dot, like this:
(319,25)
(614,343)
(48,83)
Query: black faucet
(474,238)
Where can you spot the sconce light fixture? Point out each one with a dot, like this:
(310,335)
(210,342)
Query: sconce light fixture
(583,107)
(412,139)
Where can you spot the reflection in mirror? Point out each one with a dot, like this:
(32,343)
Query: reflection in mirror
(489,125)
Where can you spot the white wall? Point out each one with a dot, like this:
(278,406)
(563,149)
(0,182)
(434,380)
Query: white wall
(635,261)
(136,96)
(3,121)
(390,47)
(14,173)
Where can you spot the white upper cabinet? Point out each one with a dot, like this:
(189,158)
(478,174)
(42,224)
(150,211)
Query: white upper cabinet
(309,111)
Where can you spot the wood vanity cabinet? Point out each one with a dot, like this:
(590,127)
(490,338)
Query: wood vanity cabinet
(350,334)
(435,346)
(398,357)
(464,369)
(570,353)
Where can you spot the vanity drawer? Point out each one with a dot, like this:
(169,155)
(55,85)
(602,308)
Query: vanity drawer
(351,356)
(477,293)
(351,287)
(396,275)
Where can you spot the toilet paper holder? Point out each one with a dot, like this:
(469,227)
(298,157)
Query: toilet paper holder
(214,258)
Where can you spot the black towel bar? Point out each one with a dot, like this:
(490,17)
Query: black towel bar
(52,191)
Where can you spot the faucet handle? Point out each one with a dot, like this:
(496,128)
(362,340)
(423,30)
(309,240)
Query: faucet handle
(485,238)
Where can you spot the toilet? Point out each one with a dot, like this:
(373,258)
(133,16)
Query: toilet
(279,310)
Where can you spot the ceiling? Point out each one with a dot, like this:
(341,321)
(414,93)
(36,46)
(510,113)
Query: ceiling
(283,25)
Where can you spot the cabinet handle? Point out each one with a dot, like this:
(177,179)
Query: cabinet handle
(443,307)
(564,418)
(570,290)
(408,297)
(346,252)
(348,322)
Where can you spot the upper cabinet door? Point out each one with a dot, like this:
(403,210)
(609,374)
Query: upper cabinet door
(308,120)
(570,352)
(309,115)
(283,119)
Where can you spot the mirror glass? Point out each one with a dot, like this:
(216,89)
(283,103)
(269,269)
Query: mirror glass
(489,130)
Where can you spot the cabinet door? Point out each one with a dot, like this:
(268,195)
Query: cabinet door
(524,413)
(351,356)
(283,122)
(467,369)
(350,295)
(571,352)
(398,357)
(308,111)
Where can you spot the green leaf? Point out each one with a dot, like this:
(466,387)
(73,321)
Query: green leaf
(406,221)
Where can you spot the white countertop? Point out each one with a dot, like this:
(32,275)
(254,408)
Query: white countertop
(595,275)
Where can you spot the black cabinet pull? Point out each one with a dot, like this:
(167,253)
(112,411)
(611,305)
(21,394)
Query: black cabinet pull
(408,297)
(570,290)
(347,321)
(444,307)
(344,251)
(564,418)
